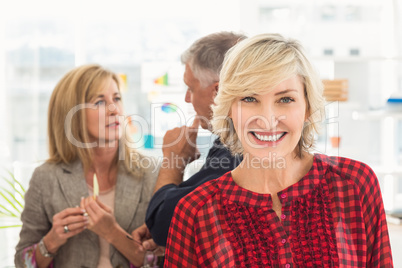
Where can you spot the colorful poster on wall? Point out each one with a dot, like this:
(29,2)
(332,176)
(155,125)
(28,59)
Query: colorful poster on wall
(169,110)
(162,77)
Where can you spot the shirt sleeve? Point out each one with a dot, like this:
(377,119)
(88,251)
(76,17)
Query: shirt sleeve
(163,203)
(180,249)
(161,208)
(378,243)
(160,212)
(34,224)
(29,257)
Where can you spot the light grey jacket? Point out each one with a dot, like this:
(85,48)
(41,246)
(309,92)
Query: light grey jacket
(55,187)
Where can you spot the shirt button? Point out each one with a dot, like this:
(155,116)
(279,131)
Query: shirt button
(287,265)
(283,196)
(283,241)
(283,216)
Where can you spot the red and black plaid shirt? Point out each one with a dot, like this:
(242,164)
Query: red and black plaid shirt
(332,217)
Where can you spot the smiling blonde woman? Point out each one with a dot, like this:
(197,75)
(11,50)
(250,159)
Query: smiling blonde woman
(282,206)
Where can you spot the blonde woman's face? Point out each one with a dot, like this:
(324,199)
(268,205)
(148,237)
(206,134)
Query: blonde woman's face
(104,115)
(271,125)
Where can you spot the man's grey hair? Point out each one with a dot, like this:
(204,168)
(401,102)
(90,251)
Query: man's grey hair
(205,56)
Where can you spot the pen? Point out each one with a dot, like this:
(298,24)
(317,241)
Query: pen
(131,238)
(95,186)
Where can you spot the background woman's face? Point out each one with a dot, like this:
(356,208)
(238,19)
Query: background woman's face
(104,120)
(271,124)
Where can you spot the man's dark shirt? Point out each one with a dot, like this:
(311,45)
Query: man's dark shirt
(161,207)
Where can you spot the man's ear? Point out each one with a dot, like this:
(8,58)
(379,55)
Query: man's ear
(216,87)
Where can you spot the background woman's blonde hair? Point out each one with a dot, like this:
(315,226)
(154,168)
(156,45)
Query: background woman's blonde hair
(76,88)
(260,63)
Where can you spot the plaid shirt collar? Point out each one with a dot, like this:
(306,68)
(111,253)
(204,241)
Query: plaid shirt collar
(235,193)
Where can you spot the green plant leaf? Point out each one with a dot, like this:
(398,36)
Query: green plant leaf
(13,198)
(8,200)
(10,226)
(11,205)
(7,212)
(20,191)
(16,181)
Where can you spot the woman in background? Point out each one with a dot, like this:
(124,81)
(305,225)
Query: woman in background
(62,226)
(282,206)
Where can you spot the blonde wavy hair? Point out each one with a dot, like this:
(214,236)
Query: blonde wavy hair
(77,87)
(255,65)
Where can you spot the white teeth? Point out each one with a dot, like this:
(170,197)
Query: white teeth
(268,137)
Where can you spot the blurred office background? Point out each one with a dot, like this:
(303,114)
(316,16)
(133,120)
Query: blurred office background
(356,40)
